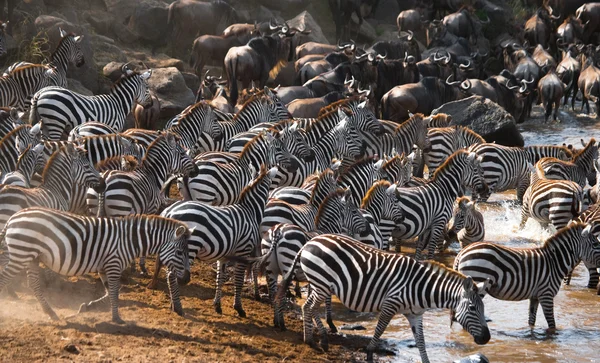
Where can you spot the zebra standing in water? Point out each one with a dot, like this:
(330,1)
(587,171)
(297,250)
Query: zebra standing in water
(466,225)
(445,141)
(61,110)
(368,280)
(428,208)
(581,167)
(591,217)
(67,52)
(74,245)
(531,273)
(222,231)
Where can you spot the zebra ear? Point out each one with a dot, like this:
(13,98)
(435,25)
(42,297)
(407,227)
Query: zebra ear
(468,284)
(294,127)
(462,203)
(35,129)
(482,287)
(335,165)
(378,165)
(362,104)
(391,191)
(62,33)
(146,74)
(471,156)
(471,205)
(586,231)
(38,148)
(78,38)
(273,172)
(14,113)
(180,231)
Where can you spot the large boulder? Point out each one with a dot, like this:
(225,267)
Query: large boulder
(49,26)
(169,86)
(305,21)
(486,118)
(149,21)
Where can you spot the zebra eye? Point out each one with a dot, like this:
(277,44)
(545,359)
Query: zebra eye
(179,252)
(472,308)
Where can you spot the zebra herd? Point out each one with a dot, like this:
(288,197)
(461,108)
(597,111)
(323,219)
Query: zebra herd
(313,200)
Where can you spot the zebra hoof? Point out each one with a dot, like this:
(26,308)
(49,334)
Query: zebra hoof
(52,316)
(218,309)
(118,320)
(241,312)
(324,344)
(369,356)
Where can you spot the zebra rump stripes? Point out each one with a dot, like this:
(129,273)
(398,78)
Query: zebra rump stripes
(74,245)
(368,280)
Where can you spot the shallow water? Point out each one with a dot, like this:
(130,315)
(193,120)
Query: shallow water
(577,308)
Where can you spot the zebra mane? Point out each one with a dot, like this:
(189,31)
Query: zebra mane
(418,117)
(393,159)
(468,131)
(162,136)
(24,68)
(557,237)
(251,98)
(261,173)
(192,108)
(335,105)
(441,269)
(438,119)
(51,160)
(337,194)
(587,147)
(371,192)
(448,163)
(322,116)
(104,165)
(356,164)
(255,140)
(124,77)
(320,179)
(11,134)
(62,40)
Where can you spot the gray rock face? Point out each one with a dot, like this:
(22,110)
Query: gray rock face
(305,21)
(85,74)
(486,118)
(169,86)
(149,20)
(76,86)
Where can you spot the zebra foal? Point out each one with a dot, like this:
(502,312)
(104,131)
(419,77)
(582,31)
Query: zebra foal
(533,273)
(367,280)
(73,245)
(466,225)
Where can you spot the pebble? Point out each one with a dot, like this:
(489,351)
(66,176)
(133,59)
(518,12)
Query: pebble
(352,327)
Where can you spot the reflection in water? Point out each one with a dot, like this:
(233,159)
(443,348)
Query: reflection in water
(576,307)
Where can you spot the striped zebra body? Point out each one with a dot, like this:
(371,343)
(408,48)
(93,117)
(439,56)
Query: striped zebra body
(536,152)
(73,245)
(14,143)
(301,195)
(466,225)
(428,208)
(17,88)
(438,121)
(140,191)
(386,211)
(530,273)
(221,231)
(193,122)
(142,137)
(104,147)
(551,201)
(591,216)
(368,280)
(445,141)
(67,167)
(61,110)
(122,163)
(10,118)
(91,128)
(29,160)
(409,133)
(577,170)
(504,168)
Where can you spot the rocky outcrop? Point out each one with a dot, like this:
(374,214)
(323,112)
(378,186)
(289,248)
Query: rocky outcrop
(486,118)
(305,21)
(169,86)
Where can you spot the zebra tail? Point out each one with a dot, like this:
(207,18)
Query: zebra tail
(232,77)
(285,283)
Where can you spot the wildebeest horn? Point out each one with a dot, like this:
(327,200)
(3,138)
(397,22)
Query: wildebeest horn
(528,82)
(465,66)
(523,88)
(511,87)
(436,22)
(273,25)
(370,57)
(379,56)
(551,12)
(451,83)
(349,81)
(410,35)
(466,85)
(435,57)
(206,74)
(487,21)
(357,57)
(448,58)
(410,59)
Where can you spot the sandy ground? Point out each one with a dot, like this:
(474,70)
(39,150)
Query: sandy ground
(153,332)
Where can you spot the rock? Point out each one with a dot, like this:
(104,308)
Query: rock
(71,348)
(113,71)
(86,74)
(106,51)
(191,80)
(352,327)
(169,86)
(486,118)
(124,9)
(475,358)
(32,6)
(149,21)
(101,22)
(164,61)
(76,86)
(366,33)
(285,5)
(305,21)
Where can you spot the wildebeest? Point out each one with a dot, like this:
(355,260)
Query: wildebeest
(570,30)
(436,65)
(542,58)
(147,118)
(589,14)
(409,20)
(310,107)
(314,68)
(550,89)
(463,23)
(262,58)
(422,97)
(589,84)
(568,71)
(190,18)
(322,49)
(539,28)
(397,49)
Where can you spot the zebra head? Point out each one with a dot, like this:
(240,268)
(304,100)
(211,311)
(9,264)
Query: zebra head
(463,208)
(470,312)
(354,220)
(180,161)
(3,49)
(295,141)
(278,153)
(365,120)
(175,254)
(277,107)
(590,247)
(473,177)
(27,136)
(141,89)
(82,170)
(212,126)
(72,44)
(349,143)
(131,147)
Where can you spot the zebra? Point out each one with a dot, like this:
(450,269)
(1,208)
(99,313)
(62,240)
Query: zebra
(446,140)
(65,168)
(73,245)
(466,225)
(61,110)
(107,146)
(577,170)
(29,160)
(9,119)
(413,131)
(530,273)
(14,143)
(142,137)
(590,216)
(224,231)
(551,201)
(221,184)
(438,121)
(367,280)
(67,52)
(386,211)
(428,208)
(91,128)
(17,89)
(536,152)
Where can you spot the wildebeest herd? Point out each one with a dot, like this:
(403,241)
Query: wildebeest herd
(316,179)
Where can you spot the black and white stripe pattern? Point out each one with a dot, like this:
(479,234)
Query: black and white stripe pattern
(428,208)
(466,225)
(412,132)
(536,152)
(14,143)
(219,232)
(18,87)
(10,118)
(530,273)
(577,170)
(385,209)
(368,280)
(445,141)
(91,128)
(62,110)
(591,216)
(74,245)
(30,160)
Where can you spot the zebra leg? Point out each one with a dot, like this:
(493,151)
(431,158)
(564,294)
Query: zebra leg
(220,278)
(436,234)
(533,307)
(33,279)
(547,303)
(297,290)
(114,284)
(312,302)
(143,270)
(154,282)
(524,217)
(255,272)
(388,310)
(174,292)
(567,279)
(11,269)
(94,303)
(238,284)
(593,281)
(416,325)
(329,318)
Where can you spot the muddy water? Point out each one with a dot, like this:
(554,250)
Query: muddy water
(577,308)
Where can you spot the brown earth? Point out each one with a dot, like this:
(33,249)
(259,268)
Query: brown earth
(152,331)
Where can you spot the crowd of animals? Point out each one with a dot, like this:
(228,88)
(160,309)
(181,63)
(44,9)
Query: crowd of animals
(316,182)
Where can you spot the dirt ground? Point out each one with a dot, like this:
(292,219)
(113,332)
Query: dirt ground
(153,332)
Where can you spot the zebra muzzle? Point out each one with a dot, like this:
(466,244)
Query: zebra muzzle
(184,279)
